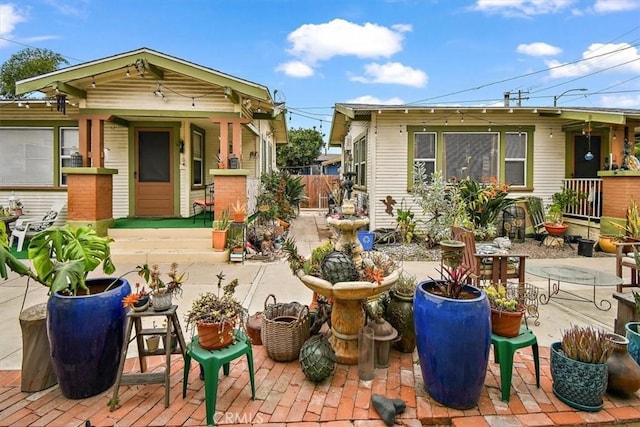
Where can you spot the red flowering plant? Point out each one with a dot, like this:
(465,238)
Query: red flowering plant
(454,279)
(136,298)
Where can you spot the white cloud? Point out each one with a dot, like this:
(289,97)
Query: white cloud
(606,6)
(620,101)
(295,69)
(522,8)
(392,73)
(369,99)
(9,18)
(620,57)
(538,49)
(74,8)
(317,42)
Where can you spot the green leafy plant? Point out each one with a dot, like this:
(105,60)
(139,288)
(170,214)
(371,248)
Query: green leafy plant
(62,258)
(407,223)
(499,300)
(405,285)
(632,227)
(484,202)
(283,191)
(224,222)
(157,286)
(586,344)
(454,279)
(210,307)
(563,199)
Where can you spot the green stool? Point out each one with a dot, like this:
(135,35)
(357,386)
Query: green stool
(211,361)
(503,351)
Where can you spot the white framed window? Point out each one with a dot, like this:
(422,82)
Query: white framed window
(69,142)
(27,156)
(424,153)
(360,161)
(515,161)
(472,154)
(197,158)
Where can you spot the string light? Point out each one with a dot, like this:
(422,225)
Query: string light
(128,74)
(193,103)
(489,127)
(93,82)
(27,105)
(550,133)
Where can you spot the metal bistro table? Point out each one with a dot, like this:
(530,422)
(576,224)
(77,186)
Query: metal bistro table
(575,275)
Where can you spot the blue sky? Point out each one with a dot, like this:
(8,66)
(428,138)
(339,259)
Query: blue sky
(317,53)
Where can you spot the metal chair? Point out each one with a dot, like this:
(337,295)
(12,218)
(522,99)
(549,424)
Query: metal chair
(206,204)
(27,227)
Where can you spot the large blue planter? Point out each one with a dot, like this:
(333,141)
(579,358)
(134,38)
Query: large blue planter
(86,335)
(453,337)
(633,335)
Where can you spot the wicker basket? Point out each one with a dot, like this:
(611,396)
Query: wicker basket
(285,328)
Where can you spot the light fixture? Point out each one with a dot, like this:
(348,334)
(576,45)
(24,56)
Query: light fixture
(159,92)
(424,128)
(19,103)
(432,111)
(462,118)
(555,98)
(446,122)
(379,111)
(93,82)
(406,110)
(48,103)
(588,156)
(535,111)
(484,110)
(375,131)
(27,105)
(128,74)
(400,128)
(550,132)
(193,103)
(510,110)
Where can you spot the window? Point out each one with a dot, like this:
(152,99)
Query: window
(424,153)
(197,157)
(515,158)
(69,141)
(27,156)
(360,161)
(470,154)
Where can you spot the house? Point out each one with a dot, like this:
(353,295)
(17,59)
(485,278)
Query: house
(537,150)
(137,134)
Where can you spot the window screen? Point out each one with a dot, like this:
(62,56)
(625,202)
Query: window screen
(27,156)
(470,154)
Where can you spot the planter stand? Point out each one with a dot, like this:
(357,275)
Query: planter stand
(37,371)
(134,318)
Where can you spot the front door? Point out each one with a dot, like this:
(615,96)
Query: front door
(153,174)
(582,145)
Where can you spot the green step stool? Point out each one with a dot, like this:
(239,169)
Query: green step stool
(503,350)
(212,361)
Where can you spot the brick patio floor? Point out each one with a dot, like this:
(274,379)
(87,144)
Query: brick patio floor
(284,397)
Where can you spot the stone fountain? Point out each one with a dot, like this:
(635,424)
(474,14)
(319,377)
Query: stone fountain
(347,313)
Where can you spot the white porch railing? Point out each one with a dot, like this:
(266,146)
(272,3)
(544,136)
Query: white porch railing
(590,207)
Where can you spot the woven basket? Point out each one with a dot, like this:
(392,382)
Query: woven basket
(285,328)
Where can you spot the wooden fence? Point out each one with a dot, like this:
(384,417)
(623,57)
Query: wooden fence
(316,188)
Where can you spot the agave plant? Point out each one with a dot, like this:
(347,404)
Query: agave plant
(586,344)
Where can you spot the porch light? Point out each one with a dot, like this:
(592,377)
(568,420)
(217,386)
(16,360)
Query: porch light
(588,156)
(93,82)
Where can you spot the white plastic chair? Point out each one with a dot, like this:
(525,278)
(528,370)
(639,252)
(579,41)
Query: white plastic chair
(27,227)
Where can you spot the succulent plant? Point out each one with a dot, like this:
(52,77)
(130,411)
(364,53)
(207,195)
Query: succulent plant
(586,344)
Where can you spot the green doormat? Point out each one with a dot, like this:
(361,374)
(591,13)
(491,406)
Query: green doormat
(163,222)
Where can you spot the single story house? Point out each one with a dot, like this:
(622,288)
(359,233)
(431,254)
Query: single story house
(537,150)
(137,134)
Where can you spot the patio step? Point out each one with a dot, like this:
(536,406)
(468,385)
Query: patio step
(153,245)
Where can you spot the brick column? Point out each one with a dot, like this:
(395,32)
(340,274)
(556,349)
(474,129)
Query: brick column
(90,197)
(229,186)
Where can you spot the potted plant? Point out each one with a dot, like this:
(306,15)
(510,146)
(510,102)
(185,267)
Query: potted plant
(85,317)
(506,312)
(579,369)
(162,292)
(239,211)
(562,200)
(214,316)
(453,334)
(631,229)
(632,329)
(138,300)
(399,312)
(219,231)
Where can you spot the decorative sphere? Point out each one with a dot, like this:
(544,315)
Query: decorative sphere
(317,358)
(588,156)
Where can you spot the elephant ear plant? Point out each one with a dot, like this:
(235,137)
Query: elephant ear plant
(62,258)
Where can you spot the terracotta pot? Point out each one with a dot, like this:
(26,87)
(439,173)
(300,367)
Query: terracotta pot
(213,336)
(218,239)
(239,217)
(556,229)
(506,323)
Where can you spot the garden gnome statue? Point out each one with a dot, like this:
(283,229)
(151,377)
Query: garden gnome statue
(348,207)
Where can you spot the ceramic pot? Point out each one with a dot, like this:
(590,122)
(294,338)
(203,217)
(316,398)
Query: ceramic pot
(455,354)
(399,314)
(506,323)
(142,304)
(633,335)
(161,302)
(578,384)
(607,243)
(556,229)
(153,342)
(86,334)
(624,372)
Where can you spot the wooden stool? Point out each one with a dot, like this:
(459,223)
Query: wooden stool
(134,319)
(211,361)
(503,351)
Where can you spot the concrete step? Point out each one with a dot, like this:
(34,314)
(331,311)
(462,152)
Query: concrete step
(155,246)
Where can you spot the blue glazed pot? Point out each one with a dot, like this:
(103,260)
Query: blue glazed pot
(633,335)
(453,337)
(86,334)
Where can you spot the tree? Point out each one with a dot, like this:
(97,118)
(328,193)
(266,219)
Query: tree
(24,64)
(304,147)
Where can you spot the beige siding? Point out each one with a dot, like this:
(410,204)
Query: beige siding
(37,203)
(116,142)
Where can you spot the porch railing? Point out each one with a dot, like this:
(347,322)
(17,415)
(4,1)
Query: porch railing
(589,207)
